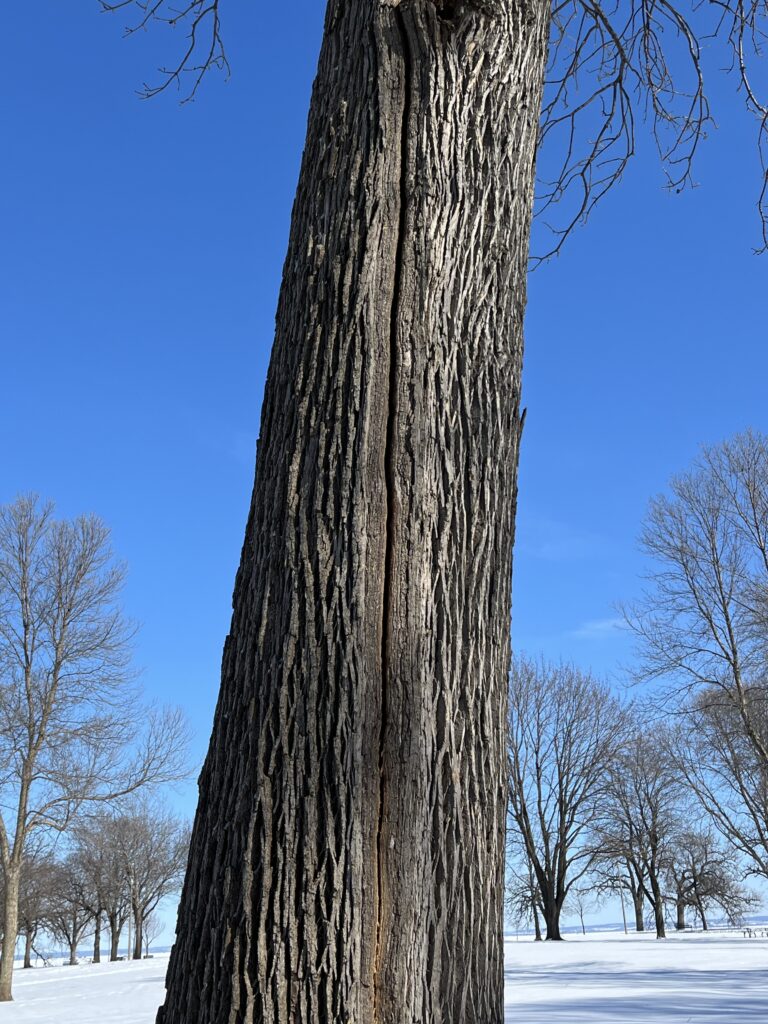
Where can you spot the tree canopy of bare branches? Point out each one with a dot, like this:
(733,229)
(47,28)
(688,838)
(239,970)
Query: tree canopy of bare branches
(701,625)
(612,65)
(564,732)
(73,729)
(702,632)
(640,815)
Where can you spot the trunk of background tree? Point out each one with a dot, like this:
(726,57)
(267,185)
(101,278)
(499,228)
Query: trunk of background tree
(28,938)
(138,937)
(536,925)
(658,907)
(73,946)
(551,912)
(97,939)
(680,922)
(637,902)
(10,930)
(347,854)
(114,938)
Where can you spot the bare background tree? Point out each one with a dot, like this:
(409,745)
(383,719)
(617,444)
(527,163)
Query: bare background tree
(153,844)
(702,633)
(73,729)
(565,730)
(640,816)
(68,914)
(705,878)
(96,841)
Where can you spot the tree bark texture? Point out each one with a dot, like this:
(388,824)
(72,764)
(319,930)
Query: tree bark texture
(10,929)
(347,853)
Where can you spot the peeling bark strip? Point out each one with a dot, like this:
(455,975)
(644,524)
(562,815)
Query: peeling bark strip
(346,861)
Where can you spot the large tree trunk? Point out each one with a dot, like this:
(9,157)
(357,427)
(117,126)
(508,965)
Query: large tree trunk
(552,921)
(347,854)
(12,875)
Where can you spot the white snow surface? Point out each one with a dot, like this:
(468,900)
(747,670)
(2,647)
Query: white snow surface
(600,978)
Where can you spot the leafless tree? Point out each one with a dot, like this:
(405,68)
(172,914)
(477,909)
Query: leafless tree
(151,928)
(153,844)
(564,731)
(641,814)
(73,730)
(615,874)
(68,914)
(523,898)
(701,625)
(703,875)
(96,847)
(726,772)
(34,892)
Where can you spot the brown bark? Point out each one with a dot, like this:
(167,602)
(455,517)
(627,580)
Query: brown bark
(348,847)
(27,950)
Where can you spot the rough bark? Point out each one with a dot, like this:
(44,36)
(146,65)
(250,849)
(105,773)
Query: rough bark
(10,929)
(28,938)
(347,854)
(97,938)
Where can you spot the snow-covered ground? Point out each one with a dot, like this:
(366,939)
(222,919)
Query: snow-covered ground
(600,978)
(613,979)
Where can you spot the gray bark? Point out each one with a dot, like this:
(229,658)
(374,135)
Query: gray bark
(347,854)
(10,928)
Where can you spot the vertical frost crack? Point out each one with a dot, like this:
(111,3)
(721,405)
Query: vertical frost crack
(390,484)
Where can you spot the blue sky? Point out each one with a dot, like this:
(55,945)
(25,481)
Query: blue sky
(140,256)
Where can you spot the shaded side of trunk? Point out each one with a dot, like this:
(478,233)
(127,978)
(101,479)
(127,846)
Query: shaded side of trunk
(115,928)
(138,936)
(29,938)
(552,920)
(348,846)
(637,903)
(97,939)
(680,919)
(658,906)
(536,925)
(10,930)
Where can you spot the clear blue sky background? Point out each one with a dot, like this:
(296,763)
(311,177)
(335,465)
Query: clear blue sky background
(141,246)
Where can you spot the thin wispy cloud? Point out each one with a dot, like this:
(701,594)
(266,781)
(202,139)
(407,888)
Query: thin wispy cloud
(598,629)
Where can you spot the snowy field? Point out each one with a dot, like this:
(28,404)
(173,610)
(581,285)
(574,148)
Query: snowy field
(603,979)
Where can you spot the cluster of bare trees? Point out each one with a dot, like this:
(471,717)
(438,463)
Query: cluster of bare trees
(600,806)
(115,870)
(75,735)
(666,802)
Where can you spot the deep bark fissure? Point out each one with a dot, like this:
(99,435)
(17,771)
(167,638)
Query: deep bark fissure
(389,480)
